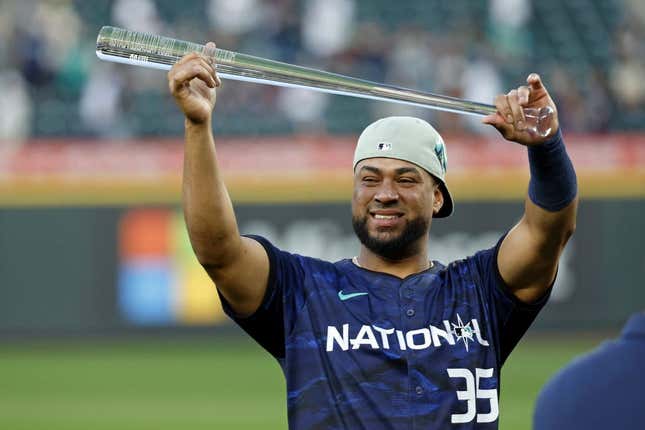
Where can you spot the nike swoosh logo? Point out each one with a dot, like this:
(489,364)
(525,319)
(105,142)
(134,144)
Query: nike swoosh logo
(344,297)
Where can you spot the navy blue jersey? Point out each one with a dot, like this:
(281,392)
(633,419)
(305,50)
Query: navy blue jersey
(368,350)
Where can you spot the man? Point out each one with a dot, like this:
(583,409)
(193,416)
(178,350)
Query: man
(390,339)
(600,390)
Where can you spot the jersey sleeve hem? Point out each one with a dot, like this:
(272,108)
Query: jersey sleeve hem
(266,324)
(507,290)
(521,315)
(270,289)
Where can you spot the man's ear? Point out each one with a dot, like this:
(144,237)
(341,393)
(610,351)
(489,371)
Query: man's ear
(437,203)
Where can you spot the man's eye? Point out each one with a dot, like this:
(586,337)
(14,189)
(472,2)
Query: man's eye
(369,179)
(407,180)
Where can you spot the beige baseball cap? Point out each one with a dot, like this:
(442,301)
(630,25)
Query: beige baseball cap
(408,139)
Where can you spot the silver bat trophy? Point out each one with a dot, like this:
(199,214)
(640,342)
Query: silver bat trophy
(158,52)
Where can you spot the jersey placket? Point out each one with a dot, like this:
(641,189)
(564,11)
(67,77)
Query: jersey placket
(412,318)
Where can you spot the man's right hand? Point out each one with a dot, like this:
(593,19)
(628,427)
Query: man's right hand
(192,82)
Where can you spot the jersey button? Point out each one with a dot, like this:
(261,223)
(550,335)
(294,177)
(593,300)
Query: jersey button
(419,390)
(410,312)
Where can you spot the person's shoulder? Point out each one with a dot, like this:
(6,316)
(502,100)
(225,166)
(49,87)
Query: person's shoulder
(305,261)
(596,377)
(611,353)
(324,265)
(586,363)
(480,258)
(596,367)
(478,268)
(617,357)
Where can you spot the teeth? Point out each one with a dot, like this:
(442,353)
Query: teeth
(377,216)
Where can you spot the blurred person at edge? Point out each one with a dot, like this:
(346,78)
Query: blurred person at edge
(599,390)
(389,339)
(626,75)
(15,110)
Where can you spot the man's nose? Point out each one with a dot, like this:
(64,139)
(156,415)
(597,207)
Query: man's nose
(386,193)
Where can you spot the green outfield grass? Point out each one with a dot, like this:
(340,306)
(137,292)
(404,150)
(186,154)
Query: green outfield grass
(198,384)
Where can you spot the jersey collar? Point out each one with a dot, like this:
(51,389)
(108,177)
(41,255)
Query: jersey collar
(435,268)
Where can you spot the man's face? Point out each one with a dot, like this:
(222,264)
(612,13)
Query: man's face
(392,206)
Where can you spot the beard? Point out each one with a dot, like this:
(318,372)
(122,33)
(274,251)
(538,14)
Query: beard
(395,248)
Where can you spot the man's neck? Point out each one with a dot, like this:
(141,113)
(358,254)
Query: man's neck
(399,268)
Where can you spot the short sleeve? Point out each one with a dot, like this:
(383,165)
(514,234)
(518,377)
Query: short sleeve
(513,317)
(266,326)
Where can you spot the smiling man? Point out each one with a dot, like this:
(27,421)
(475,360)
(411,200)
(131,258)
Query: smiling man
(399,170)
(389,339)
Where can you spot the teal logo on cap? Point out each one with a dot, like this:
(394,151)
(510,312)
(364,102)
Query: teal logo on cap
(440,152)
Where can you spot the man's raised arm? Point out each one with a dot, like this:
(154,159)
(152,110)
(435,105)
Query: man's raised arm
(239,266)
(528,257)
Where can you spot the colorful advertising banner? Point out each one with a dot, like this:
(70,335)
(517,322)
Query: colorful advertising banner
(159,280)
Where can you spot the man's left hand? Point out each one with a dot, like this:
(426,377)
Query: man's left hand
(509,118)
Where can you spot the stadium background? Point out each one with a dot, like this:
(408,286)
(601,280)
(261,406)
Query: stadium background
(105,319)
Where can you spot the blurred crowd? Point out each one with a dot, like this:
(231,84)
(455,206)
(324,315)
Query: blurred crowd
(589,52)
